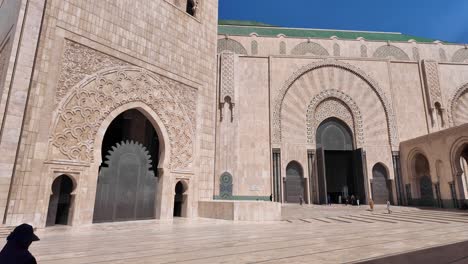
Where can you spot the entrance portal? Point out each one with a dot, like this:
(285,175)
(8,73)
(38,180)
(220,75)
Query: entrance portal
(340,171)
(60,201)
(294,183)
(126,188)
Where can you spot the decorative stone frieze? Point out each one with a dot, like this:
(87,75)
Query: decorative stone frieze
(278,102)
(82,111)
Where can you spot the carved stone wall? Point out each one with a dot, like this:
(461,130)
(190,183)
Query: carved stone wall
(392,52)
(460,55)
(458,106)
(442,55)
(364,51)
(254,47)
(78,62)
(227,79)
(230,45)
(334,103)
(336,50)
(88,103)
(310,48)
(431,80)
(277,104)
(416,55)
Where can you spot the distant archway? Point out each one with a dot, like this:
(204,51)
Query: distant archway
(422,178)
(381,188)
(294,182)
(60,202)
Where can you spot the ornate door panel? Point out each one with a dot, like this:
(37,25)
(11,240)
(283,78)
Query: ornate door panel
(126,188)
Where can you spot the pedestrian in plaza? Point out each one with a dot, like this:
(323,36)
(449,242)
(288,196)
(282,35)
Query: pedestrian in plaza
(301,200)
(388,207)
(357,201)
(271,197)
(353,199)
(328,199)
(371,205)
(339,199)
(16,249)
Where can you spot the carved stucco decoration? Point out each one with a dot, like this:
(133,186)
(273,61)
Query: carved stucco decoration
(453,102)
(227,81)
(392,52)
(364,51)
(334,103)
(311,48)
(336,50)
(416,55)
(442,55)
(230,45)
(79,61)
(460,55)
(389,112)
(431,80)
(90,102)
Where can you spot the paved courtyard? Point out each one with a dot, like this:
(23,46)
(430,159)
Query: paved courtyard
(309,234)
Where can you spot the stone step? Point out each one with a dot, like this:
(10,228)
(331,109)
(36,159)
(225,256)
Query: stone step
(5,231)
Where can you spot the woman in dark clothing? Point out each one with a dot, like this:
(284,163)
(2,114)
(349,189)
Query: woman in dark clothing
(16,249)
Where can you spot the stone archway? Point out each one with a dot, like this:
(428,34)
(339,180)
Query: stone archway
(180,199)
(86,107)
(61,201)
(281,93)
(458,106)
(294,189)
(421,176)
(381,187)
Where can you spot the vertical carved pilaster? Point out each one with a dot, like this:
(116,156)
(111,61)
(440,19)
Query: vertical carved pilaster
(435,102)
(227,82)
(398,179)
(277,197)
(312,177)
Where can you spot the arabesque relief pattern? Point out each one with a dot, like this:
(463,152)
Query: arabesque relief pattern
(334,103)
(389,112)
(83,110)
(78,62)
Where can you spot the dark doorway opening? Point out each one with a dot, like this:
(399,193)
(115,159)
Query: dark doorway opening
(127,183)
(60,201)
(339,165)
(294,183)
(179,200)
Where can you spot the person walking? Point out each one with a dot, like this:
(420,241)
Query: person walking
(388,207)
(353,199)
(371,205)
(357,201)
(329,199)
(16,249)
(301,200)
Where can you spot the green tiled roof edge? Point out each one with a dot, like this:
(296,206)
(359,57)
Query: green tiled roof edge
(249,27)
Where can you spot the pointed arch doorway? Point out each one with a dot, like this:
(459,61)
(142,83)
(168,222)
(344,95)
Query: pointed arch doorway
(127,184)
(339,164)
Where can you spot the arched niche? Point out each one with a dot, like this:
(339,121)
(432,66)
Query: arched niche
(61,201)
(381,184)
(294,189)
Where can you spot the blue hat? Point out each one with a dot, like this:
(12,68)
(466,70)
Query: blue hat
(23,233)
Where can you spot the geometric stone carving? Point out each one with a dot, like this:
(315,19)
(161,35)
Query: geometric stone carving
(458,101)
(442,55)
(226,45)
(336,50)
(282,47)
(79,61)
(278,102)
(309,48)
(254,47)
(431,80)
(225,186)
(227,81)
(334,103)
(364,51)
(89,103)
(392,52)
(460,55)
(416,56)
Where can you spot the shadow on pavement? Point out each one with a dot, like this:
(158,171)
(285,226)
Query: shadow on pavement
(454,253)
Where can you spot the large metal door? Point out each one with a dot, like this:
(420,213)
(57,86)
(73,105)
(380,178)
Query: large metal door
(321,176)
(126,188)
(360,176)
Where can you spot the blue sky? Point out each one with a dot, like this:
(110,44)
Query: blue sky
(445,20)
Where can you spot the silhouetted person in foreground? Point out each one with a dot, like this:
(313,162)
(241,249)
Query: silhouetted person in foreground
(16,249)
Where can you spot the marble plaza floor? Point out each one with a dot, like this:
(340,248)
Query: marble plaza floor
(308,234)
